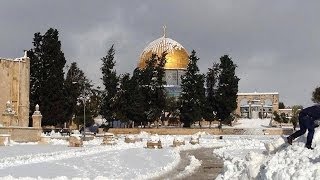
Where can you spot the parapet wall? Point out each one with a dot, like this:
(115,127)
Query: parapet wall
(22,134)
(213,131)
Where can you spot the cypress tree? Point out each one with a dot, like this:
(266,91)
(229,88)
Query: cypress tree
(47,82)
(136,98)
(152,85)
(92,105)
(36,72)
(158,95)
(123,98)
(193,93)
(74,87)
(227,89)
(211,92)
(110,82)
(146,83)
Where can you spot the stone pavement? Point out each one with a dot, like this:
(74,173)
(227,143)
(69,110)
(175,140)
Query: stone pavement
(211,165)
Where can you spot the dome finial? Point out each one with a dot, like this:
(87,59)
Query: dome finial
(164,30)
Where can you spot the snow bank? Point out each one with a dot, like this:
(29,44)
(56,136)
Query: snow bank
(143,135)
(287,162)
(194,164)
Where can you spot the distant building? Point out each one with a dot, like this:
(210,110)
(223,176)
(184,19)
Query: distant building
(257,105)
(14,89)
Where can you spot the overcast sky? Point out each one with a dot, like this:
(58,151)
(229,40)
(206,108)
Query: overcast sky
(276,44)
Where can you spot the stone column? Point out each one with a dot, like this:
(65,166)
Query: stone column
(8,117)
(249,110)
(262,110)
(36,117)
(238,111)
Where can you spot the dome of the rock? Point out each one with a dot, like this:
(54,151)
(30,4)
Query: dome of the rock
(177,57)
(176,64)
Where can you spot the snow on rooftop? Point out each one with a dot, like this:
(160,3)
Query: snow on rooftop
(257,93)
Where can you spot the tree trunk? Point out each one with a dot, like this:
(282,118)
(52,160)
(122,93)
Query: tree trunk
(157,125)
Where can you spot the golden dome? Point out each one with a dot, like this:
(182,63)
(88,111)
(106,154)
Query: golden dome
(177,57)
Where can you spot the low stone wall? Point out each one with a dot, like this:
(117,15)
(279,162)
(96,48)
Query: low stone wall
(214,131)
(22,134)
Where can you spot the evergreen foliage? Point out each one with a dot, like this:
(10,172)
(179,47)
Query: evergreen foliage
(227,89)
(284,118)
(47,77)
(72,89)
(172,109)
(123,98)
(157,93)
(146,77)
(212,78)
(110,81)
(76,84)
(152,83)
(92,108)
(136,99)
(281,105)
(193,93)
(295,115)
(316,95)
(277,117)
(35,79)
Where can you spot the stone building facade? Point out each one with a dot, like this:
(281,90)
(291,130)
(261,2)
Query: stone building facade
(257,103)
(14,90)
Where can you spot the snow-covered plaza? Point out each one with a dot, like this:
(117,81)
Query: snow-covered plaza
(244,156)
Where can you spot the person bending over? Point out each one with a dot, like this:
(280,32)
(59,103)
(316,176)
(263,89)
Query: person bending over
(307,118)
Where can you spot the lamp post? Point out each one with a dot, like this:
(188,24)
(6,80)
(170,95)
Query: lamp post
(84,100)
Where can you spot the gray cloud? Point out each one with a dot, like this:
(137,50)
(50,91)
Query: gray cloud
(274,43)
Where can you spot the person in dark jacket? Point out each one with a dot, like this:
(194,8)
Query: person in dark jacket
(307,118)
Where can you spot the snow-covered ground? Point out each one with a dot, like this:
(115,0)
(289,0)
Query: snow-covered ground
(285,162)
(252,123)
(245,157)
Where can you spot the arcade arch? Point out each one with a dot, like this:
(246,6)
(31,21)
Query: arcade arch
(257,105)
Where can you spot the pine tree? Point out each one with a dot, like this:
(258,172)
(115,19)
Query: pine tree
(193,93)
(172,109)
(147,82)
(47,77)
(227,89)
(36,72)
(295,115)
(92,105)
(316,95)
(110,81)
(158,95)
(211,92)
(74,86)
(152,83)
(123,98)
(136,98)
